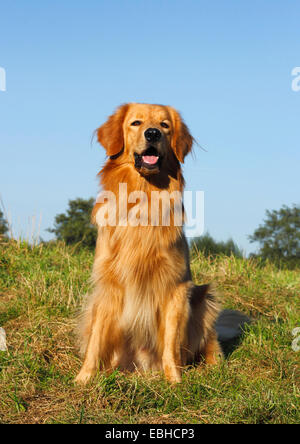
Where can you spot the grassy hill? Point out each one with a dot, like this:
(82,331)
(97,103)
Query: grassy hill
(41,289)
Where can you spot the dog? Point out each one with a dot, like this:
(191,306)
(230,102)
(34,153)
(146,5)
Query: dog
(144,311)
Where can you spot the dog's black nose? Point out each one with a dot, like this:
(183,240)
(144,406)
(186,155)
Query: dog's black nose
(152,135)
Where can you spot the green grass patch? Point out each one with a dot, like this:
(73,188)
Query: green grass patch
(41,291)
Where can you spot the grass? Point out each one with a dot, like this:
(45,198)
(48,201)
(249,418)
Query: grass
(41,290)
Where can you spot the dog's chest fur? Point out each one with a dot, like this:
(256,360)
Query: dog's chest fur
(147,269)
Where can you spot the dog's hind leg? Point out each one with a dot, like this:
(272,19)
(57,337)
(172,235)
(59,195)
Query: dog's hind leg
(105,334)
(211,350)
(203,342)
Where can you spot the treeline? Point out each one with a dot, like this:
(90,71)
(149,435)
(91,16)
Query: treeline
(278,236)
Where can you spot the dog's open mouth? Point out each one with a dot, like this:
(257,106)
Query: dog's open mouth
(149,159)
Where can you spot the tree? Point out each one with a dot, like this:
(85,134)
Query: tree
(279,236)
(209,247)
(3,225)
(75,226)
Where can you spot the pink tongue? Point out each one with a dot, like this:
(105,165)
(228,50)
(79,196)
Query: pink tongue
(150,159)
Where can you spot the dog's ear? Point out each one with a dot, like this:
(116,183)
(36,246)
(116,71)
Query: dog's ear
(182,140)
(110,134)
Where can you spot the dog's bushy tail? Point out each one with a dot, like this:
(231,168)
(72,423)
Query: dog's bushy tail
(230,325)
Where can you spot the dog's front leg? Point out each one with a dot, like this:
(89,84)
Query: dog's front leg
(175,332)
(105,336)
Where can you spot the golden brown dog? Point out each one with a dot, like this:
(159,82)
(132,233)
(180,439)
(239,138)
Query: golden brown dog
(144,311)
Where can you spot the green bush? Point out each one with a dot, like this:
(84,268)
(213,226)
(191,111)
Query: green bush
(210,247)
(3,225)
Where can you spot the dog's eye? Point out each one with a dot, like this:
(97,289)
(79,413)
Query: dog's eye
(136,123)
(164,125)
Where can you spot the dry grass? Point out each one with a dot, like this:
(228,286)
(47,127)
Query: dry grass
(41,289)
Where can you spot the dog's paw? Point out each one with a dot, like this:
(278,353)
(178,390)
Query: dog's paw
(83,377)
(172,374)
(213,359)
(174,379)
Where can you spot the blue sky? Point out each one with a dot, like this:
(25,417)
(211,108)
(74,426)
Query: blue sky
(226,65)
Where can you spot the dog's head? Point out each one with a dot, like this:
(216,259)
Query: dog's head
(146,136)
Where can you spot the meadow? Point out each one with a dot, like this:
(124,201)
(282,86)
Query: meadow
(41,290)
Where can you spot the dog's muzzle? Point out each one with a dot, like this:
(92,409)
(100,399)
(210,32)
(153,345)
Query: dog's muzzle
(150,159)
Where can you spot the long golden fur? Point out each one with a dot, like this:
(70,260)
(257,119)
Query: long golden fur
(144,311)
